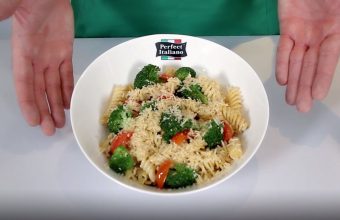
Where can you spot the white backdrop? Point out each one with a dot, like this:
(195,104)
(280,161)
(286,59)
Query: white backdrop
(295,172)
(5,29)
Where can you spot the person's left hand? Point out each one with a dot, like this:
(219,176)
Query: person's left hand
(42,43)
(308,50)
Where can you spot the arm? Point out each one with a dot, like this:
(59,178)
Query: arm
(308,50)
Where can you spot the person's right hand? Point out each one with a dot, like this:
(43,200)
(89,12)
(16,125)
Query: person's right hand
(42,42)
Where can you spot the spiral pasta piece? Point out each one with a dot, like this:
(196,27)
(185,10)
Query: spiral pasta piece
(119,95)
(234,98)
(149,168)
(235,148)
(236,119)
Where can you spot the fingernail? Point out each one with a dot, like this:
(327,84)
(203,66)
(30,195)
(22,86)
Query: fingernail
(304,106)
(290,100)
(47,127)
(67,104)
(318,93)
(59,119)
(33,118)
(281,81)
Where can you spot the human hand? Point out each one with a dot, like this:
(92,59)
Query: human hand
(308,49)
(42,43)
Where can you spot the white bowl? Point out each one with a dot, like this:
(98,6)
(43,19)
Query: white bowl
(120,64)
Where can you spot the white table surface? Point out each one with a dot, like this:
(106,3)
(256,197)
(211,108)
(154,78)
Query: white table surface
(296,171)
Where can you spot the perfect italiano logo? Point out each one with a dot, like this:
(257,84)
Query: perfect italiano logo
(171,49)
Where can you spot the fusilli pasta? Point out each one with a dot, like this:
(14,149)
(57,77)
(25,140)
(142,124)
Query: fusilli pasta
(171,121)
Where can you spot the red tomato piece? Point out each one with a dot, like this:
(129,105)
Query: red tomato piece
(122,139)
(162,173)
(228,132)
(180,137)
(164,97)
(165,76)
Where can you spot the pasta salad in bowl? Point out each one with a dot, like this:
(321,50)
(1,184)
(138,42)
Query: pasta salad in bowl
(176,122)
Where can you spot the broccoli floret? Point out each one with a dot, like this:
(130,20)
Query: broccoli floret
(121,160)
(184,72)
(171,125)
(118,118)
(194,92)
(213,135)
(187,124)
(196,125)
(180,176)
(147,76)
(149,104)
